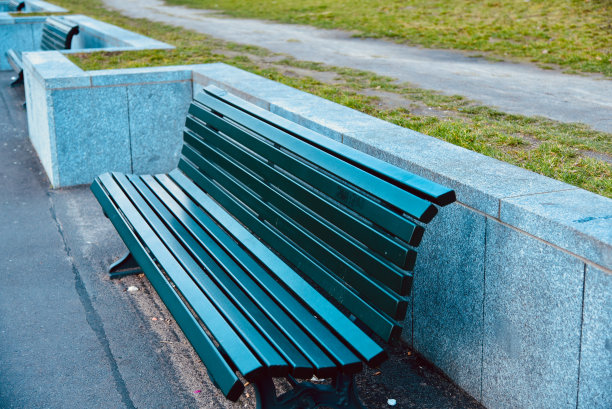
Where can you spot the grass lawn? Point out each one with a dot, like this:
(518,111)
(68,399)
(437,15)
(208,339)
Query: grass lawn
(569,152)
(573,34)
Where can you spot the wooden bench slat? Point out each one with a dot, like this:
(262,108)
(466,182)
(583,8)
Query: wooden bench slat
(54,36)
(167,228)
(327,213)
(411,233)
(424,188)
(336,321)
(379,322)
(58,34)
(47,44)
(313,227)
(220,371)
(340,192)
(244,359)
(247,294)
(59,25)
(254,272)
(337,266)
(405,201)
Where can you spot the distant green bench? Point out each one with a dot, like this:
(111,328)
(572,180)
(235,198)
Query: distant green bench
(16,5)
(57,35)
(262,242)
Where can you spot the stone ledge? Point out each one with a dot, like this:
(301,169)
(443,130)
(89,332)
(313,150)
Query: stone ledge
(24,34)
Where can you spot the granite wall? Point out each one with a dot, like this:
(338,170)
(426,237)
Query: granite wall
(25,34)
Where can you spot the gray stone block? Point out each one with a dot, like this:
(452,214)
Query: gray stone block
(99,141)
(595,390)
(129,76)
(532,316)
(55,70)
(98,34)
(39,6)
(479,181)
(576,220)
(40,123)
(157,117)
(16,35)
(448,294)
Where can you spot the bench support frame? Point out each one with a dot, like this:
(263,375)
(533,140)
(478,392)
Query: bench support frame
(126,265)
(17,80)
(340,394)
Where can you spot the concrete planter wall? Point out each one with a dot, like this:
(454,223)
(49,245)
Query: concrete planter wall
(513,286)
(33,6)
(25,33)
(84,123)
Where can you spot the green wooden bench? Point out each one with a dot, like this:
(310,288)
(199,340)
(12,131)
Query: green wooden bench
(279,252)
(16,5)
(57,35)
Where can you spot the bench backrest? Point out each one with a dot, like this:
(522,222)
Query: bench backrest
(347,221)
(57,34)
(16,5)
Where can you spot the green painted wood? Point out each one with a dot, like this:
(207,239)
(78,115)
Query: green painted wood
(421,187)
(310,175)
(254,272)
(379,322)
(219,370)
(305,229)
(245,293)
(15,5)
(309,244)
(236,281)
(337,322)
(58,34)
(166,228)
(313,202)
(244,359)
(293,317)
(402,200)
(53,35)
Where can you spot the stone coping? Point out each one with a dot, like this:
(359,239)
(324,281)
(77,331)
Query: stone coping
(115,38)
(94,35)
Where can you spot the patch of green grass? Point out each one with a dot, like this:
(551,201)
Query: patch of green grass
(561,151)
(573,34)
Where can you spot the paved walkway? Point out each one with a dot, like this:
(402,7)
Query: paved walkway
(72,338)
(514,88)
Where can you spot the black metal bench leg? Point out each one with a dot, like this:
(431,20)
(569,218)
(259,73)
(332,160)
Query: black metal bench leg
(17,80)
(341,394)
(126,265)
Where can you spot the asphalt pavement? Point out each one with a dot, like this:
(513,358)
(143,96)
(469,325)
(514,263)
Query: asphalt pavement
(72,338)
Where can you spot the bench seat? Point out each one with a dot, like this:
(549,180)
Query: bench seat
(199,246)
(279,252)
